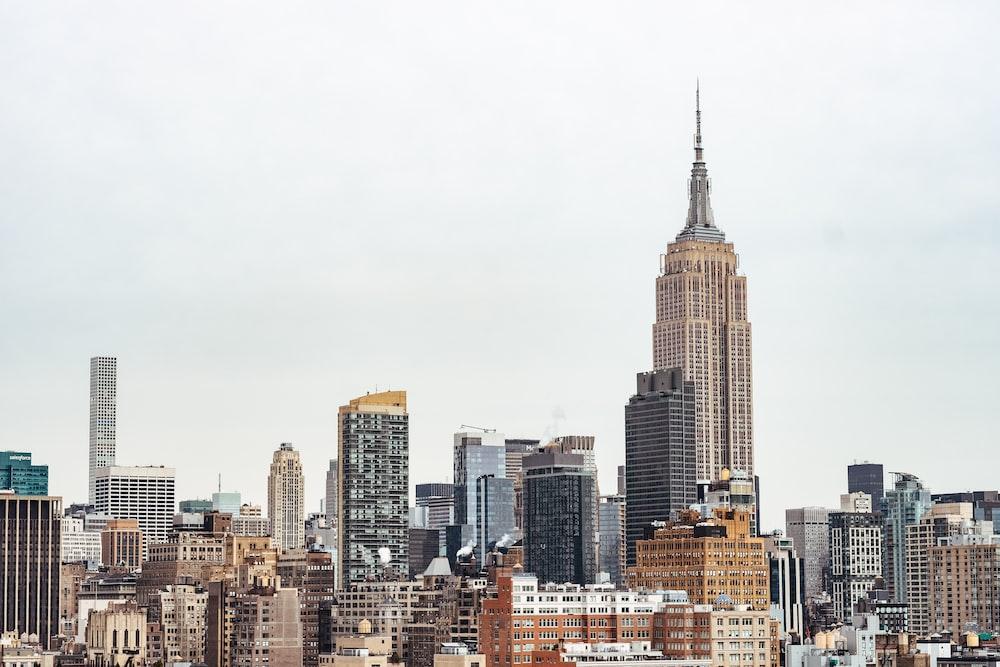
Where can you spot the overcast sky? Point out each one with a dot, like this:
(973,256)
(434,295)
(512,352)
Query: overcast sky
(264,211)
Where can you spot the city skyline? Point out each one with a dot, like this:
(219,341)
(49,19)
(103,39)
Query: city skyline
(227,312)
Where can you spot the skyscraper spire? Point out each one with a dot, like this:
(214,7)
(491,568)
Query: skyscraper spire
(700,222)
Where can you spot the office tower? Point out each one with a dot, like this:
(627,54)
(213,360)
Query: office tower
(611,555)
(458,538)
(103,410)
(251,522)
(707,557)
(943,520)
(787,579)
(30,540)
(374,485)
(621,480)
(809,529)
(905,503)
(179,611)
(702,328)
(286,498)
(194,506)
(227,502)
(867,478)
(424,546)
(330,498)
(517,449)
(144,493)
(77,544)
(19,475)
(985,504)
(857,501)
(122,544)
(856,552)
(439,500)
(117,635)
(558,518)
(494,511)
(476,453)
(310,572)
(964,586)
(660,452)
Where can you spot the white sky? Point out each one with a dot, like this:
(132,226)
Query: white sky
(265,210)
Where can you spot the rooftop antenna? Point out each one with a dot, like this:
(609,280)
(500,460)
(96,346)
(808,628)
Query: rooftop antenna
(479,428)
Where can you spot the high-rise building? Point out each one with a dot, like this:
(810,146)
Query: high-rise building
(476,453)
(194,506)
(121,544)
(985,504)
(286,506)
(265,622)
(103,416)
(660,452)
(787,580)
(856,552)
(708,557)
(330,497)
(310,572)
(179,611)
(611,556)
(30,540)
(77,544)
(702,328)
(144,493)
(517,449)
(964,586)
(494,511)
(867,478)
(439,499)
(18,474)
(809,529)
(228,502)
(558,517)
(856,501)
(621,481)
(374,485)
(425,545)
(905,503)
(942,521)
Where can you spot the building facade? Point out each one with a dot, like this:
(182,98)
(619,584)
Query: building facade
(558,518)
(77,544)
(103,418)
(122,544)
(143,493)
(964,586)
(20,475)
(702,328)
(809,529)
(611,555)
(330,498)
(180,612)
(516,450)
(494,511)
(30,540)
(286,506)
(787,585)
(475,454)
(856,557)
(867,478)
(905,503)
(116,636)
(373,459)
(660,452)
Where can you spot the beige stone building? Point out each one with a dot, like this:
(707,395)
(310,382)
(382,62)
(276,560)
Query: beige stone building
(180,613)
(117,636)
(286,498)
(963,582)
(702,328)
(360,649)
(122,544)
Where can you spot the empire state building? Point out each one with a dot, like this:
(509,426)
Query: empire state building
(701,327)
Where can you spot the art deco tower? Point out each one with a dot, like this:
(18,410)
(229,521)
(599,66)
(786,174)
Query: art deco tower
(701,327)
(286,498)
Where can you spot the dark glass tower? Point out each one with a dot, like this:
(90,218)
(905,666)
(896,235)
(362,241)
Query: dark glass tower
(559,518)
(868,478)
(660,454)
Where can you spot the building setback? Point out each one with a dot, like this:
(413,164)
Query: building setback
(660,452)
(373,510)
(702,328)
(558,518)
(30,538)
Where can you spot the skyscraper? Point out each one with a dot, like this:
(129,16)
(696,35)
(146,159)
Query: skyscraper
(905,504)
(809,529)
(475,453)
(517,449)
(286,498)
(103,406)
(373,454)
(660,466)
(702,328)
(868,478)
(29,565)
(494,511)
(611,556)
(856,546)
(558,518)
(330,499)
(144,493)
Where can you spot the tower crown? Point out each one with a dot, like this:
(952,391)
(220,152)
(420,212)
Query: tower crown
(700,223)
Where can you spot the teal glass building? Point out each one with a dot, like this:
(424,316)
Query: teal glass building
(18,473)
